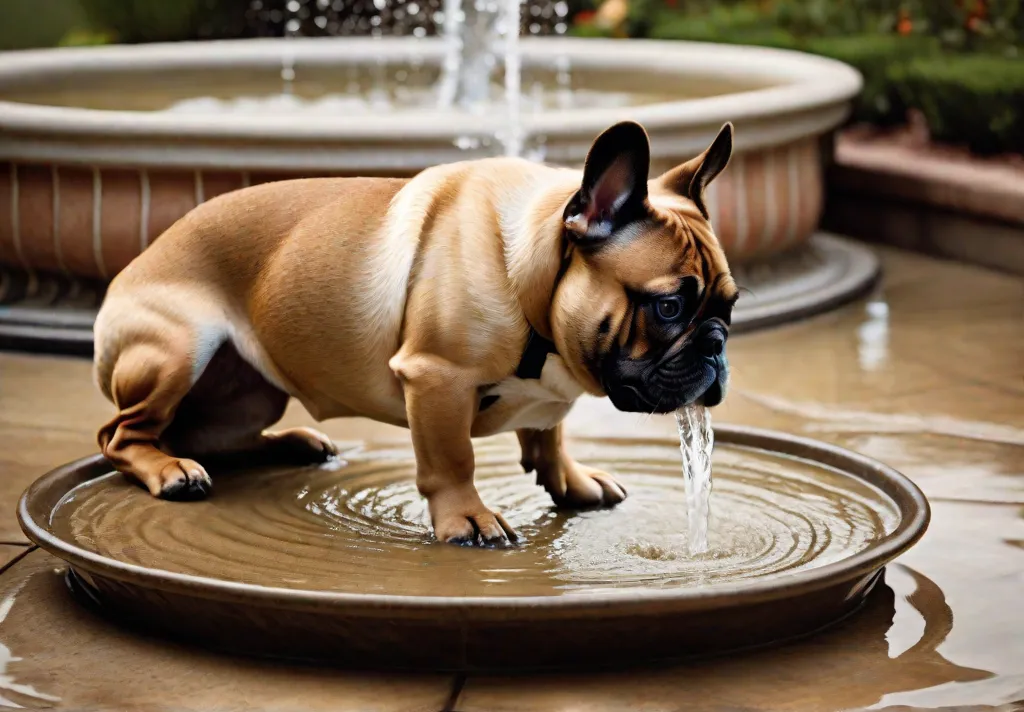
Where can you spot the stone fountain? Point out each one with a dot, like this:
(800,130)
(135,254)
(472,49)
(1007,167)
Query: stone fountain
(105,148)
(101,149)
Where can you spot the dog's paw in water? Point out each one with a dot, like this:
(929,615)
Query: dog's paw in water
(476,526)
(183,481)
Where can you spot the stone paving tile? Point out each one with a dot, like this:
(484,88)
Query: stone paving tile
(50,392)
(25,454)
(10,552)
(56,654)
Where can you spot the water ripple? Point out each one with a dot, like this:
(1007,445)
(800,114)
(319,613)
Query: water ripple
(360,526)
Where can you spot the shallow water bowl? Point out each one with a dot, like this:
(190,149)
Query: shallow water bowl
(335,563)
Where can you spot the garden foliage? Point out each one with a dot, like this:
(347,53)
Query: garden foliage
(959,62)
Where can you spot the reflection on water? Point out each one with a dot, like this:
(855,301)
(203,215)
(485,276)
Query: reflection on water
(948,456)
(873,336)
(874,657)
(363,527)
(49,640)
(16,692)
(828,418)
(866,658)
(408,100)
(921,623)
(351,89)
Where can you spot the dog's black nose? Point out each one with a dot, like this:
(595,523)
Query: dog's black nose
(711,343)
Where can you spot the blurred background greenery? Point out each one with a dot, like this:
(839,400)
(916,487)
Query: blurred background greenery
(47,23)
(25,26)
(958,63)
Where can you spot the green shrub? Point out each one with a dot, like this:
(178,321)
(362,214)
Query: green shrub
(960,26)
(739,24)
(977,100)
(85,38)
(25,25)
(167,20)
(875,57)
(818,18)
(589,30)
(963,70)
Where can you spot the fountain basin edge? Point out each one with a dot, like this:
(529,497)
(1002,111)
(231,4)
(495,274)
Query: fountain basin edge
(479,633)
(62,168)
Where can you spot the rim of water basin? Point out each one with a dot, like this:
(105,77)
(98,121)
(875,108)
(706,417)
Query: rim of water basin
(42,497)
(797,95)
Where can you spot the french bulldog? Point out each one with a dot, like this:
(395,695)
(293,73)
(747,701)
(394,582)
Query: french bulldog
(475,298)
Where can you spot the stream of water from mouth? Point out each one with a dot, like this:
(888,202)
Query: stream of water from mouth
(696,442)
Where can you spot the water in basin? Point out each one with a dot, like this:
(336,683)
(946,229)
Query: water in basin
(360,525)
(481,71)
(344,91)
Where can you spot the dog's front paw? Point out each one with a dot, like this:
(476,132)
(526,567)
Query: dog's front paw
(587,488)
(182,480)
(467,522)
(481,529)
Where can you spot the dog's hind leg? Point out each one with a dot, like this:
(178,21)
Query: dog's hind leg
(225,415)
(147,383)
(167,416)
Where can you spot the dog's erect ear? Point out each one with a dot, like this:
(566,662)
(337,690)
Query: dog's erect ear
(693,177)
(614,183)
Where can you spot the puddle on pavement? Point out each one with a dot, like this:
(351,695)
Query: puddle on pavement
(361,526)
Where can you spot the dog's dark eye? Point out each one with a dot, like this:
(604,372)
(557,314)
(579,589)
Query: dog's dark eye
(669,308)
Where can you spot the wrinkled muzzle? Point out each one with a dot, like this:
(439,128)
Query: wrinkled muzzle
(697,373)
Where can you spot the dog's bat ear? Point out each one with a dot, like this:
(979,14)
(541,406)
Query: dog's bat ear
(614,183)
(693,177)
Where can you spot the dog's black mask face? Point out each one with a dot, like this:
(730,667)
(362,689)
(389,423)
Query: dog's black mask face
(693,370)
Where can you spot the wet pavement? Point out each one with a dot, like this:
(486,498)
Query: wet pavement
(927,375)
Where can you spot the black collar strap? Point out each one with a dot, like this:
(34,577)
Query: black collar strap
(536,353)
(531,363)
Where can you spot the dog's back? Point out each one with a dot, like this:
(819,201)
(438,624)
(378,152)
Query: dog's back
(202,275)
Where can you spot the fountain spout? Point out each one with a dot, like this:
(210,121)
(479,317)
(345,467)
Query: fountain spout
(476,33)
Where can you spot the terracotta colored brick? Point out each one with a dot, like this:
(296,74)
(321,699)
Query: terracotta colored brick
(776,194)
(788,195)
(75,222)
(8,251)
(120,219)
(724,221)
(259,178)
(757,194)
(172,194)
(35,212)
(219,182)
(740,204)
(893,165)
(810,189)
